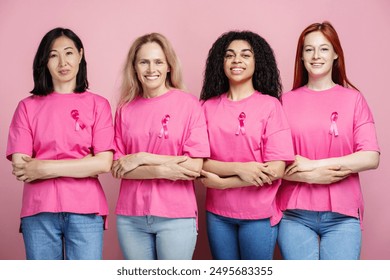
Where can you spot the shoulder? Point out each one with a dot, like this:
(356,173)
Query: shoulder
(95,96)
(185,96)
(292,93)
(266,99)
(212,101)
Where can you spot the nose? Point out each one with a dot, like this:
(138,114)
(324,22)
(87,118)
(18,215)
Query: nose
(316,53)
(236,59)
(151,67)
(62,60)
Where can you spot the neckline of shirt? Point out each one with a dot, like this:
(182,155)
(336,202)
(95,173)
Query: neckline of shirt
(335,87)
(225,98)
(157,98)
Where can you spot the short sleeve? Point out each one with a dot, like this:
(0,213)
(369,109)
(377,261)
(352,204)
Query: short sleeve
(197,142)
(364,132)
(20,137)
(103,130)
(119,145)
(277,140)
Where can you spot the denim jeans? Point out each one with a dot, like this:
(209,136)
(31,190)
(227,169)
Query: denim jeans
(58,236)
(234,239)
(311,235)
(156,238)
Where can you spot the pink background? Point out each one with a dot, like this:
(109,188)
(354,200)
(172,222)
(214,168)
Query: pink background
(107,29)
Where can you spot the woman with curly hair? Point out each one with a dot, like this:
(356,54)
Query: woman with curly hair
(250,142)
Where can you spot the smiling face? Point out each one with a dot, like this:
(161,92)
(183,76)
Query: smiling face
(239,63)
(318,56)
(63,64)
(152,68)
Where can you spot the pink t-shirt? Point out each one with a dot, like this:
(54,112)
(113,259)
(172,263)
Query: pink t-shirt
(170,124)
(330,123)
(62,126)
(252,129)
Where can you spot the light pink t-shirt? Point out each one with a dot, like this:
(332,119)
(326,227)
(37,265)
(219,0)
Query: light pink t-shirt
(170,124)
(329,123)
(62,126)
(252,129)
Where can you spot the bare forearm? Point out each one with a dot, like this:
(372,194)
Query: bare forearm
(144,172)
(233,182)
(29,169)
(356,162)
(221,168)
(77,168)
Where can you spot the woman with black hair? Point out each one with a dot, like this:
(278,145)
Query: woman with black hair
(60,139)
(250,142)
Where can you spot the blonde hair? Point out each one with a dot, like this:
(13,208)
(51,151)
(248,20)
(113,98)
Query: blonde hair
(131,86)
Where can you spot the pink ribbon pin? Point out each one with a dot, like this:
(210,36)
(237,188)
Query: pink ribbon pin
(333,126)
(164,129)
(241,127)
(79,124)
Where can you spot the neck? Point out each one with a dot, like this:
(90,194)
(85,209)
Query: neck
(151,93)
(318,84)
(64,88)
(240,91)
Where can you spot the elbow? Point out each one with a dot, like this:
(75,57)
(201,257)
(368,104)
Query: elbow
(106,168)
(375,162)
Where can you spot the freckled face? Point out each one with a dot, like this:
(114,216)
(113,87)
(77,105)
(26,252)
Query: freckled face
(318,55)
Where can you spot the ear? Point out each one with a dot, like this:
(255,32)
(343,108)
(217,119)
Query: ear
(81,54)
(336,57)
(169,69)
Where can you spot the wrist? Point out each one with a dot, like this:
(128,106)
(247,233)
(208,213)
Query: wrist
(141,158)
(236,168)
(222,184)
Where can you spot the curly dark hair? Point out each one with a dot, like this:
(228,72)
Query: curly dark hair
(266,78)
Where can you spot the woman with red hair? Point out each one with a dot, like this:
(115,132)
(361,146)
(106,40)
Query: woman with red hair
(334,139)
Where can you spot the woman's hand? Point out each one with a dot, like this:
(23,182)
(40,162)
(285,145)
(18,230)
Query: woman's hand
(299,165)
(126,164)
(321,175)
(255,173)
(28,170)
(211,180)
(173,171)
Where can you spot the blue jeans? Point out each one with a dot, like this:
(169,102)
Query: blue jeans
(235,239)
(156,238)
(58,236)
(311,235)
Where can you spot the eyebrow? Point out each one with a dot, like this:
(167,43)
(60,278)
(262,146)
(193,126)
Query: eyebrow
(64,49)
(308,45)
(243,50)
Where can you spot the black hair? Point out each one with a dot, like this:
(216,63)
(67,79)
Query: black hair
(266,77)
(43,83)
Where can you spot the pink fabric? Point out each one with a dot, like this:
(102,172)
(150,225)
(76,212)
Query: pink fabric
(143,126)
(330,123)
(260,134)
(62,126)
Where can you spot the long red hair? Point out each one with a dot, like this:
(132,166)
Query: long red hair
(339,75)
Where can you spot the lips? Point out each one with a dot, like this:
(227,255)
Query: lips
(64,72)
(316,64)
(237,70)
(151,78)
